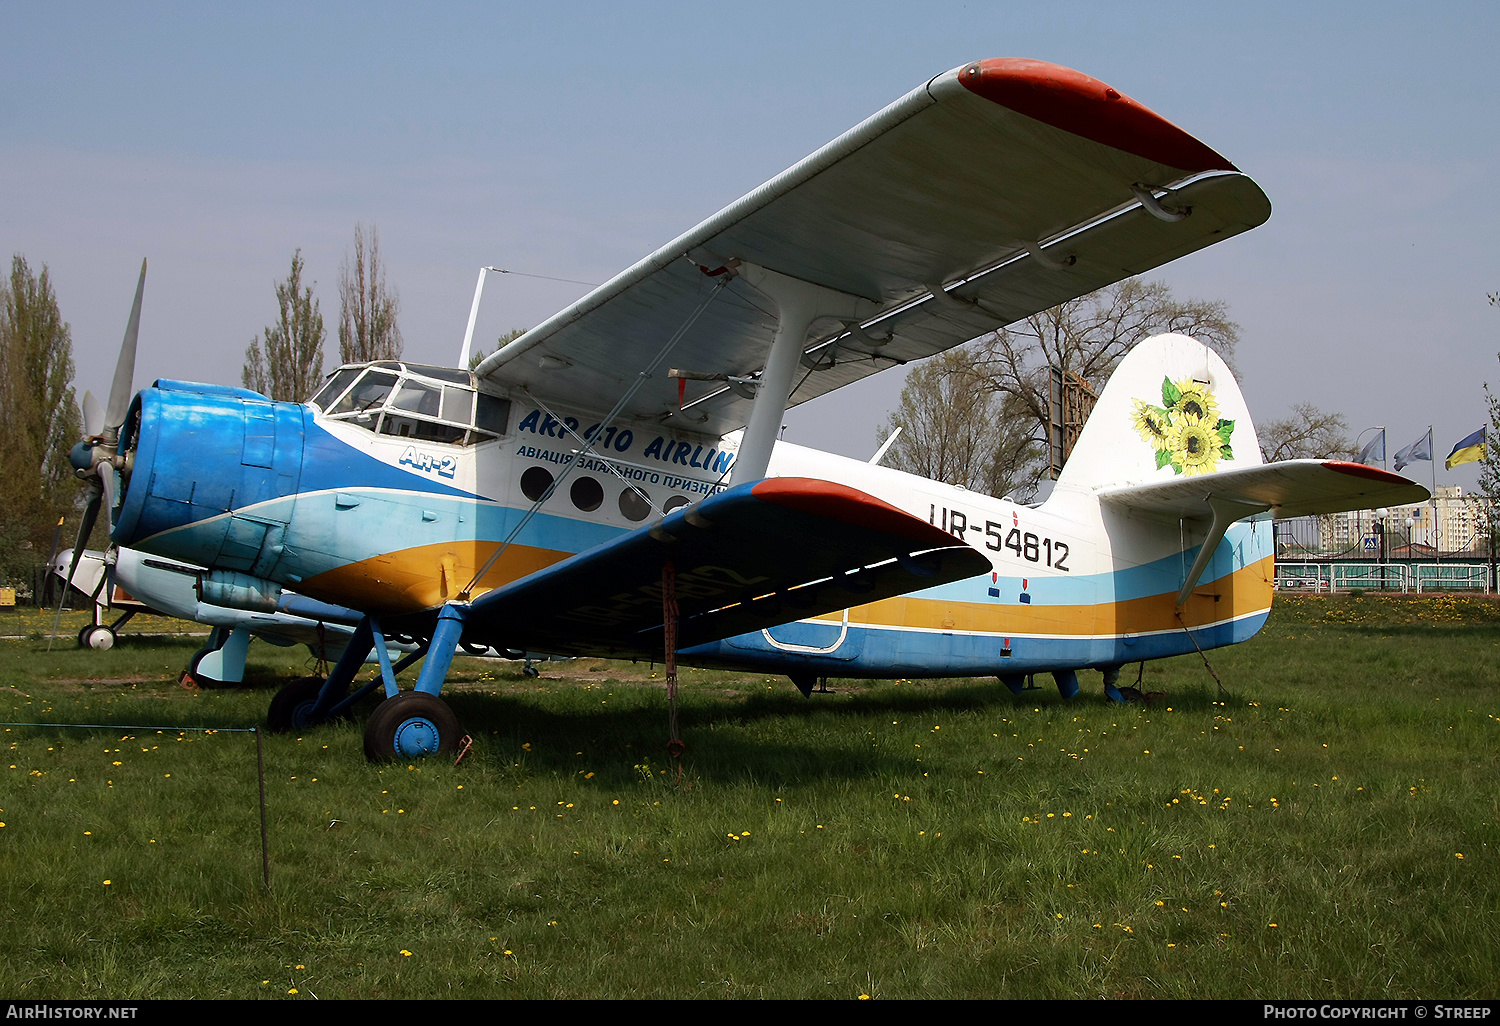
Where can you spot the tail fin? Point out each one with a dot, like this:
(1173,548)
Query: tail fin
(1172,409)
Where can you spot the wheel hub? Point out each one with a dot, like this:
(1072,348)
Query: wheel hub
(415,737)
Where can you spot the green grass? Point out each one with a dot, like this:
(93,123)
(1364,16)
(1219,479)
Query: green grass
(896,839)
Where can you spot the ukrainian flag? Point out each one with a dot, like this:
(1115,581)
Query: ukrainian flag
(1467,451)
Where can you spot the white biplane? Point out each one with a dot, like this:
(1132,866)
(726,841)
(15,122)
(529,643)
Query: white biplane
(610,483)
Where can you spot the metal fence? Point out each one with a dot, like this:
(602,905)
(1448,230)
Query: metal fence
(1328,576)
(1453,577)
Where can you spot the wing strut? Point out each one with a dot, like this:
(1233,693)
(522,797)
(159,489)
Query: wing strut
(572,461)
(798,304)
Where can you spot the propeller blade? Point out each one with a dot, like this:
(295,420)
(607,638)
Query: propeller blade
(107,484)
(93,415)
(85,528)
(119,392)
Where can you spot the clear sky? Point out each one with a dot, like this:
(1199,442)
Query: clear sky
(572,139)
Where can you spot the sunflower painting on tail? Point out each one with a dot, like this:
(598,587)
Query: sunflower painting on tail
(1185,430)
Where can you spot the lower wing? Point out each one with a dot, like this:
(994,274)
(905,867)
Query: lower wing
(751,557)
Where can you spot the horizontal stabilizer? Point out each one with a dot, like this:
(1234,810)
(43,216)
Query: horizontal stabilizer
(751,557)
(1293,488)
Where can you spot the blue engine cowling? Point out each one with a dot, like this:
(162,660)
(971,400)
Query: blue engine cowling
(224,463)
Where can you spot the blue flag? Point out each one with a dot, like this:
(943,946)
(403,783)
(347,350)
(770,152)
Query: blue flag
(1374,449)
(1421,449)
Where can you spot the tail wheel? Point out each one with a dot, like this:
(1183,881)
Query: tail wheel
(198,677)
(292,707)
(411,725)
(96,636)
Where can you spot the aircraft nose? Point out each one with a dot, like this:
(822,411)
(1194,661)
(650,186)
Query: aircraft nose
(198,452)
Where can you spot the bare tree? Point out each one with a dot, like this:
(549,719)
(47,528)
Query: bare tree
(40,419)
(1308,434)
(957,430)
(367,319)
(286,361)
(1086,337)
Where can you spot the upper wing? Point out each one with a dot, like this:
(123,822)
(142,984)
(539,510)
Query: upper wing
(1020,181)
(751,557)
(1293,488)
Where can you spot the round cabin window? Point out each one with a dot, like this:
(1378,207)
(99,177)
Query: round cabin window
(535,482)
(635,504)
(587,494)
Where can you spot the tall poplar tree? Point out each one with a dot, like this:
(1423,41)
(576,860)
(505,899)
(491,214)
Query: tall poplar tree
(367,318)
(40,420)
(286,360)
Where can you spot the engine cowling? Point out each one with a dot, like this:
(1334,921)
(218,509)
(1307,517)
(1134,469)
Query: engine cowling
(211,475)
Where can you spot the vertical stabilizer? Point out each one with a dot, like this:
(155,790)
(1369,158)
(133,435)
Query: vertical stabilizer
(1171,410)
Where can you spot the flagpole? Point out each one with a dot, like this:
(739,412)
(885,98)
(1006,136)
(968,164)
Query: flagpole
(1437,546)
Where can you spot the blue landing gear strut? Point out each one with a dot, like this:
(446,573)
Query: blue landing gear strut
(404,725)
(418,722)
(1112,684)
(1067,682)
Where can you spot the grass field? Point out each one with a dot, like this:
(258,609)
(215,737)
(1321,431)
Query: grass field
(1328,830)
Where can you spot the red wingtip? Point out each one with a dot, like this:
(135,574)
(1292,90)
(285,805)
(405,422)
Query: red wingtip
(850,505)
(1363,470)
(1074,102)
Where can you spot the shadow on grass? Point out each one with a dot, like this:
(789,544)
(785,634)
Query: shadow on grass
(729,739)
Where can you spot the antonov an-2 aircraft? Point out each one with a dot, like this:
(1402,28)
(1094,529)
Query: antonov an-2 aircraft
(589,489)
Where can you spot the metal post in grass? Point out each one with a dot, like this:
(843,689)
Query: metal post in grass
(265,847)
(260,766)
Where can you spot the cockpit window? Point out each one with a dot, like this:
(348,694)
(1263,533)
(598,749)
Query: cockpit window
(334,387)
(418,397)
(449,374)
(492,414)
(434,404)
(427,431)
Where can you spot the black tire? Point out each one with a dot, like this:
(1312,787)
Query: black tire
(421,722)
(196,676)
(97,636)
(292,705)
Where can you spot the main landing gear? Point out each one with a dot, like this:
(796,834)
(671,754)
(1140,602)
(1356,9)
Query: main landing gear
(407,725)
(101,637)
(410,726)
(1067,683)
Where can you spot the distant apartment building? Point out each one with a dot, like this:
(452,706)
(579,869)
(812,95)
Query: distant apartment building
(1448,523)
